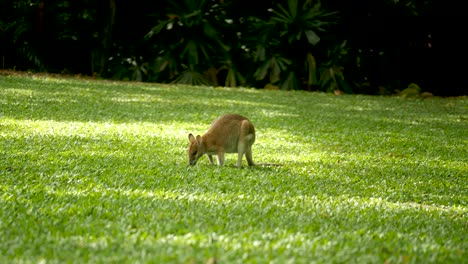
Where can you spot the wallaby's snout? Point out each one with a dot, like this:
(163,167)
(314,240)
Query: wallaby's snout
(229,133)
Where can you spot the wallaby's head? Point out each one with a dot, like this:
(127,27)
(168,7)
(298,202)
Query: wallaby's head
(196,149)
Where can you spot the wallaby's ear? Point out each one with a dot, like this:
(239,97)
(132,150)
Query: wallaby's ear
(199,139)
(191,137)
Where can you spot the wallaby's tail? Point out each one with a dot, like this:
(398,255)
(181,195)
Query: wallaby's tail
(268,164)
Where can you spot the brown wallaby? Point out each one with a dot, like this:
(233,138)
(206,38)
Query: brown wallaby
(229,133)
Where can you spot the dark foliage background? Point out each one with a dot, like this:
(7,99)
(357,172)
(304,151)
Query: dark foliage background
(370,47)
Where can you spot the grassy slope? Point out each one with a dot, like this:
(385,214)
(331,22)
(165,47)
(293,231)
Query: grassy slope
(96,171)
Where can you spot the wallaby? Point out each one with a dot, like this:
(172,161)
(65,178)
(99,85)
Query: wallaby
(229,133)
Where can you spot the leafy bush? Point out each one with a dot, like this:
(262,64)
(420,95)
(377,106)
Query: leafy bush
(289,44)
(332,77)
(285,49)
(281,46)
(191,42)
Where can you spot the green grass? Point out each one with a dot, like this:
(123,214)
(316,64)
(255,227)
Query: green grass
(95,171)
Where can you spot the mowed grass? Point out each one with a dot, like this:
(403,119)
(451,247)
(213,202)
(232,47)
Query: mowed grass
(96,172)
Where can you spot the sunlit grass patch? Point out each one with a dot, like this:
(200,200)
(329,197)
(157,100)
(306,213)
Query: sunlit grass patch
(96,171)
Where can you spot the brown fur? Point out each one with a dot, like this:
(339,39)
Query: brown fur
(229,133)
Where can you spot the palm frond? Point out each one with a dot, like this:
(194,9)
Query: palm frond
(312,37)
(291,82)
(311,70)
(192,77)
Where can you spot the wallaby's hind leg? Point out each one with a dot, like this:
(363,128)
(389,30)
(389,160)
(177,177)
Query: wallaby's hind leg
(248,156)
(246,140)
(241,149)
(250,139)
(239,159)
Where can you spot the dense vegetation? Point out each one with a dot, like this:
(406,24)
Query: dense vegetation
(366,47)
(95,172)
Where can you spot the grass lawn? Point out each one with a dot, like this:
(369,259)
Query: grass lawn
(96,171)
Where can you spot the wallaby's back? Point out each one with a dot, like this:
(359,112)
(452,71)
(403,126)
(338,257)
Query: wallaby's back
(228,129)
